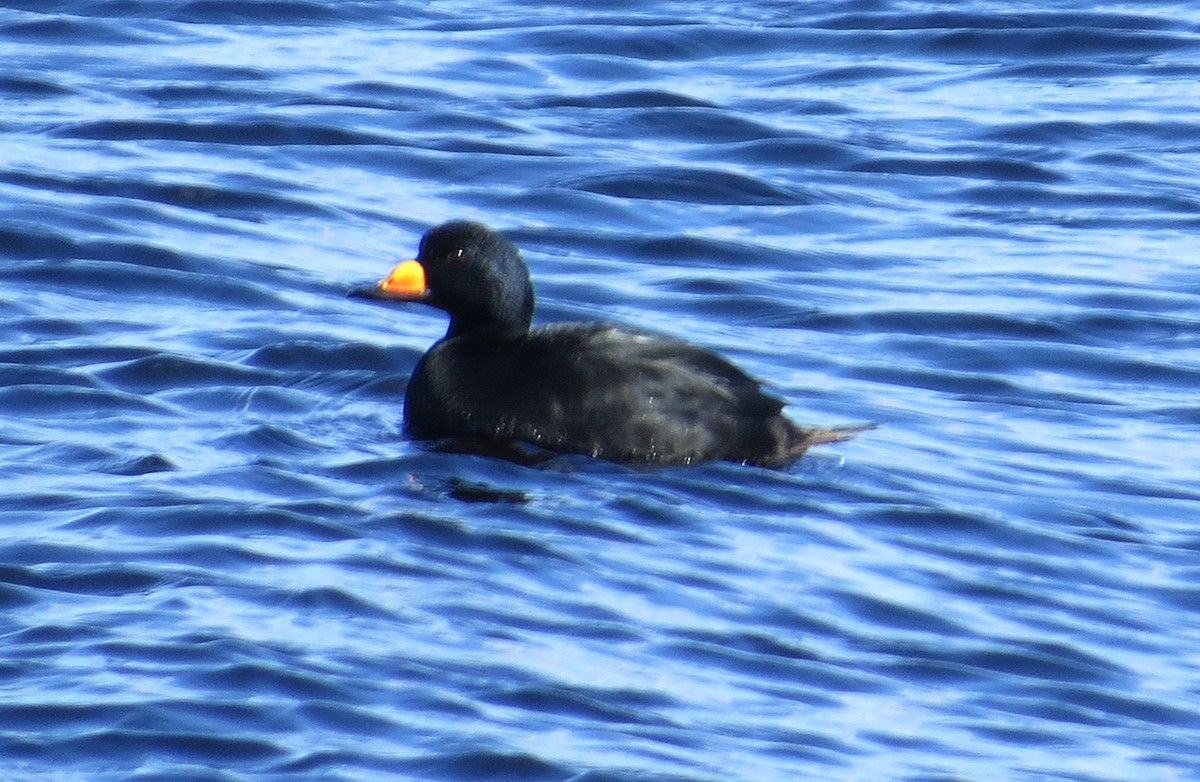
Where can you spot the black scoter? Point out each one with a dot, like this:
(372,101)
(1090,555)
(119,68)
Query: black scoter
(599,389)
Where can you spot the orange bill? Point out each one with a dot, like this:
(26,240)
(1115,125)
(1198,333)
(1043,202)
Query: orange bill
(407,279)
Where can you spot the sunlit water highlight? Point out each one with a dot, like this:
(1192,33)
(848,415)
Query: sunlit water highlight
(222,560)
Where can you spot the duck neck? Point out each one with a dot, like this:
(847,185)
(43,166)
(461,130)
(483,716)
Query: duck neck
(463,325)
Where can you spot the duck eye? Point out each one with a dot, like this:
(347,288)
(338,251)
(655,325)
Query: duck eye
(458,253)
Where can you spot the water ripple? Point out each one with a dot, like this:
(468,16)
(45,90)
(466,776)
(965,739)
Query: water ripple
(222,559)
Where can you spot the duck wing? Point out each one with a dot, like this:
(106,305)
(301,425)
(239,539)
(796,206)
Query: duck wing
(603,390)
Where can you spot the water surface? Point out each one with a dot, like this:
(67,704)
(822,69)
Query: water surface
(221,559)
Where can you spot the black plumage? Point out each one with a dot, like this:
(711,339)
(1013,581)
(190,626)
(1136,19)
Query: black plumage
(599,389)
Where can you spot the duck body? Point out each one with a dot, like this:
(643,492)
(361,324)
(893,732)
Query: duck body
(602,390)
(597,389)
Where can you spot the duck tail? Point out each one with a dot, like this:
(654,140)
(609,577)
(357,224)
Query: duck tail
(836,434)
(804,437)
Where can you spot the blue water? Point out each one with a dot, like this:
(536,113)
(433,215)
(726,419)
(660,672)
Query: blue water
(221,560)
